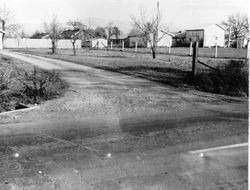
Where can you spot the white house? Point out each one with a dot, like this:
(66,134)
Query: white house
(241,42)
(208,36)
(98,43)
(164,39)
(1,37)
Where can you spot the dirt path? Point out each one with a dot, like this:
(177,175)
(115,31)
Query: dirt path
(118,132)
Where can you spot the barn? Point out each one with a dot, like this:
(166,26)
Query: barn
(208,36)
(97,43)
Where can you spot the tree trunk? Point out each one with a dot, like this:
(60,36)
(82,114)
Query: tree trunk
(53,47)
(3,28)
(153,52)
(74,48)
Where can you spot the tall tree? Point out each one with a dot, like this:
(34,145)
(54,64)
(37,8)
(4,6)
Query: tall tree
(237,26)
(116,32)
(135,32)
(109,30)
(100,32)
(149,27)
(53,28)
(77,30)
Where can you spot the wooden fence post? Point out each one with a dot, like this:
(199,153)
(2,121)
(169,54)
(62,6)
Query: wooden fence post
(215,50)
(248,51)
(190,50)
(195,57)
(123,45)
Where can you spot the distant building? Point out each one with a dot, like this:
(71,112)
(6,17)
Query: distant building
(68,34)
(39,35)
(130,41)
(97,43)
(208,35)
(117,40)
(164,39)
(179,39)
(241,42)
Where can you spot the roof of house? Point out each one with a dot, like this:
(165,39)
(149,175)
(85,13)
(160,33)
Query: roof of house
(202,27)
(39,35)
(69,33)
(180,34)
(135,36)
(120,37)
(92,39)
(168,33)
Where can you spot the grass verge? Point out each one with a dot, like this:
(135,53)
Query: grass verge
(166,69)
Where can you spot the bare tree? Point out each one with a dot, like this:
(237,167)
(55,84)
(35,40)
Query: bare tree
(100,32)
(53,28)
(109,30)
(237,26)
(150,28)
(116,32)
(77,31)
(7,25)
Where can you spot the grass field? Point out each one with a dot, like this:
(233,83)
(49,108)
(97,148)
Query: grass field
(228,53)
(168,69)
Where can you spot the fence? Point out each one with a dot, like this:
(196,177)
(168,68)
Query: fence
(38,43)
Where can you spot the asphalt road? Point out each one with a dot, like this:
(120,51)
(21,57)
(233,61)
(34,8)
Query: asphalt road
(138,136)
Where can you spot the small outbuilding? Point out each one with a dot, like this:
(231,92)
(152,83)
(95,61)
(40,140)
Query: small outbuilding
(117,40)
(97,43)
(132,40)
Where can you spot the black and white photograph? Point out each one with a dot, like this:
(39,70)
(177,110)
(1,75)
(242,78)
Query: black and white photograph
(124,94)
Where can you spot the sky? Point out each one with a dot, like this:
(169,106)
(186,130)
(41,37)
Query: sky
(176,14)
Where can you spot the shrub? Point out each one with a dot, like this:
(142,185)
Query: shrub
(28,86)
(230,79)
(39,85)
(4,88)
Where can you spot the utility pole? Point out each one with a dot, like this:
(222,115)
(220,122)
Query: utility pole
(190,49)
(229,36)
(169,48)
(216,39)
(195,57)
(158,8)
(122,45)
(248,50)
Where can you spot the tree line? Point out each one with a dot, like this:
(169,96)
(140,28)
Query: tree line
(236,26)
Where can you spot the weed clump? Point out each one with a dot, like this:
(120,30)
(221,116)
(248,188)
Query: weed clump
(229,79)
(32,86)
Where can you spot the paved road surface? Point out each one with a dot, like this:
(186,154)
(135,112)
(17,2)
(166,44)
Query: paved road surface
(62,147)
